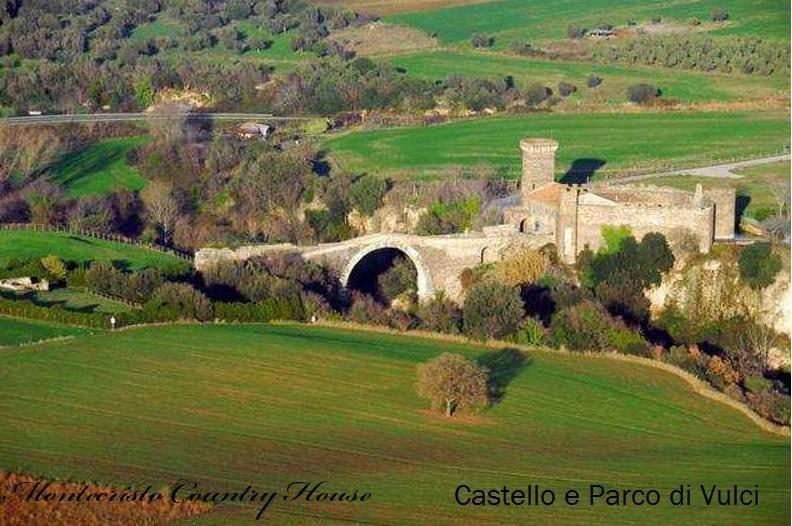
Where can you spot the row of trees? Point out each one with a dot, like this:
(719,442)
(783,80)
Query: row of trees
(742,55)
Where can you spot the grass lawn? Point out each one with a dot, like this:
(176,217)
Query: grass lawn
(229,406)
(624,142)
(534,21)
(755,188)
(14,331)
(685,86)
(24,245)
(99,169)
(72,299)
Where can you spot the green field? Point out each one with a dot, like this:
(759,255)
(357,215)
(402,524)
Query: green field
(755,187)
(99,169)
(73,300)
(534,21)
(232,405)
(14,331)
(25,244)
(624,142)
(685,86)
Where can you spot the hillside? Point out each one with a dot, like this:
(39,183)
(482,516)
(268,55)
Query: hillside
(265,405)
(26,244)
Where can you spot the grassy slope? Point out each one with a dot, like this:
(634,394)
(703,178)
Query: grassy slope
(14,331)
(73,299)
(235,405)
(623,141)
(686,86)
(24,245)
(755,184)
(534,20)
(99,169)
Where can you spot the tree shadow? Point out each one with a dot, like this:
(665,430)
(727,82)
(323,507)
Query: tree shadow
(582,170)
(504,366)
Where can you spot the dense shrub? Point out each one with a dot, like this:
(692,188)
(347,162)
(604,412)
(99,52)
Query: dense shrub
(271,309)
(449,218)
(401,277)
(759,265)
(574,31)
(365,309)
(721,15)
(536,93)
(54,266)
(440,314)
(565,89)
(366,194)
(587,327)
(531,332)
(593,81)
(479,40)
(620,272)
(522,265)
(642,93)
(522,48)
(180,301)
(492,310)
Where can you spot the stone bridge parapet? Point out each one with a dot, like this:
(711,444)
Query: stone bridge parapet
(438,260)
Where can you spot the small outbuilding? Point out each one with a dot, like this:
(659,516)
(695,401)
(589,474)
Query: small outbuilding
(254,130)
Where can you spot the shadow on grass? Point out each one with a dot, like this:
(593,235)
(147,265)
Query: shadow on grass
(504,366)
(582,170)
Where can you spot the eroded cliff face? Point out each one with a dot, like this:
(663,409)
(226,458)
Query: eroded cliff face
(388,219)
(711,288)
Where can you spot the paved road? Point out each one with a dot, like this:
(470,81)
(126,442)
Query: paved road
(130,117)
(722,171)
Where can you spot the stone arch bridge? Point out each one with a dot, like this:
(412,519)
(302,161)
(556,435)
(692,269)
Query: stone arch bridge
(438,260)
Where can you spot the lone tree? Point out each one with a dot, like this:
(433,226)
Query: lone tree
(452,381)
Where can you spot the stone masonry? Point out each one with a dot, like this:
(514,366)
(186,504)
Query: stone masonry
(574,215)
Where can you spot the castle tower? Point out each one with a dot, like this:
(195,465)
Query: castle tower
(538,163)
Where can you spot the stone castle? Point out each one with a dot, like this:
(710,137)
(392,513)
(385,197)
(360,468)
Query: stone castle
(573,215)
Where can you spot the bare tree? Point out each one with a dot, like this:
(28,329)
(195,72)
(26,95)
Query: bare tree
(23,150)
(162,208)
(780,192)
(168,123)
(451,381)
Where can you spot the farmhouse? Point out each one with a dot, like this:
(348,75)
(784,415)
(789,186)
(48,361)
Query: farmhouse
(575,214)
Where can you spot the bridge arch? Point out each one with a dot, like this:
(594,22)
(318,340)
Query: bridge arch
(423,277)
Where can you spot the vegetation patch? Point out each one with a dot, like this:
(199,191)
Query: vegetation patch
(299,376)
(100,169)
(17,511)
(23,245)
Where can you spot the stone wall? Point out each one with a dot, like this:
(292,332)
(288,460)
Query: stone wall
(532,218)
(645,194)
(643,219)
